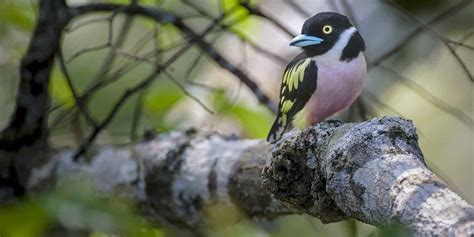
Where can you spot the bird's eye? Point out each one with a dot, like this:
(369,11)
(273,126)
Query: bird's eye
(327,29)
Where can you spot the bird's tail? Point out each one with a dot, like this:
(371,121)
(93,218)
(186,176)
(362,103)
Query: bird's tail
(277,130)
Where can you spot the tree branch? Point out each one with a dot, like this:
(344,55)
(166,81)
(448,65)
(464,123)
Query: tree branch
(29,119)
(372,171)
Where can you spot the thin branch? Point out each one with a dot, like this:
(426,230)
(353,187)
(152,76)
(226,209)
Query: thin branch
(443,15)
(84,23)
(172,79)
(468,35)
(187,93)
(257,12)
(436,34)
(460,44)
(373,98)
(77,99)
(458,59)
(137,115)
(202,85)
(88,50)
(107,44)
(125,96)
(110,57)
(298,8)
(228,27)
(198,59)
(438,103)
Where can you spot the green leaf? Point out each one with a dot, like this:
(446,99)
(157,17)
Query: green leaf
(391,231)
(77,206)
(60,90)
(23,220)
(159,101)
(255,121)
(168,36)
(16,15)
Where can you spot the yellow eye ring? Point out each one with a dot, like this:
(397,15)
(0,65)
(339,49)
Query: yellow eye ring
(327,29)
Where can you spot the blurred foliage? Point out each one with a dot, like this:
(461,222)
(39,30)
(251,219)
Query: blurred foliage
(13,15)
(391,231)
(74,206)
(158,103)
(59,90)
(255,121)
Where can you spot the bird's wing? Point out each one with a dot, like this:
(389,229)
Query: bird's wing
(298,85)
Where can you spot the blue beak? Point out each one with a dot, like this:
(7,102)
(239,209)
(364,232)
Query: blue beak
(305,40)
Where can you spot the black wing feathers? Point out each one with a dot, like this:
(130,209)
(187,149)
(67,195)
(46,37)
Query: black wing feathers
(298,85)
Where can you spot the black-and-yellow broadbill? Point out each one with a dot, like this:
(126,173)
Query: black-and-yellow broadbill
(325,78)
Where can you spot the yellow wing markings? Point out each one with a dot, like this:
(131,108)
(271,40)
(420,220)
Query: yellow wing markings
(283,120)
(293,76)
(291,81)
(286,106)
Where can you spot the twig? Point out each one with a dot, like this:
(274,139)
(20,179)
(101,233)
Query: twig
(78,100)
(110,57)
(171,77)
(438,103)
(88,50)
(187,93)
(85,23)
(228,26)
(257,12)
(436,34)
(445,14)
(198,59)
(298,8)
(107,44)
(468,35)
(137,114)
(373,98)
(460,44)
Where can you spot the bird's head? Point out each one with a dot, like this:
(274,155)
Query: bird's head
(325,31)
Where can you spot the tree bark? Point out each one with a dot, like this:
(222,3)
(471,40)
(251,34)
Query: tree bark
(372,171)
(28,123)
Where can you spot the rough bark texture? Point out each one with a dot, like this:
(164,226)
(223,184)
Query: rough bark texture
(28,122)
(25,136)
(372,171)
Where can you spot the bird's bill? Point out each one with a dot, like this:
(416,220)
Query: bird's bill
(305,40)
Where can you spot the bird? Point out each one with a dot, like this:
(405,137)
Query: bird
(325,78)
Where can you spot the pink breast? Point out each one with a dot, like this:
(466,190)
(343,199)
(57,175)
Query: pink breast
(339,85)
